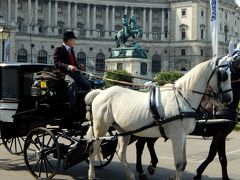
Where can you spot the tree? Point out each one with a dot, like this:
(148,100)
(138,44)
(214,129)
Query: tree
(165,77)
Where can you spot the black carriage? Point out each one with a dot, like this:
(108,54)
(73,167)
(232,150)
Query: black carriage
(34,109)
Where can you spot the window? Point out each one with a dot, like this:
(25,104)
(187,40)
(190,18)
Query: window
(184,12)
(118,14)
(156,64)
(9,89)
(226,15)
(99,13)
(156,33)
(20,22)
(100,30)
(79,11)
(20,5)
(22,55)
(119,66)
(202,13)
(156,16)
(143,69)
(40,9)
(166,31)
(81,29)
(166,15)
(183,52)
(60,10)
(81,58)
(183,34)
(202,34)
(41,25)
(100,62)
(42,57)
(60,27)
(201,52)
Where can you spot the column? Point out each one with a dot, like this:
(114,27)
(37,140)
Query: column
(94,21)
(144,24)
(132,11)
(163,24)
(107,22)
(150,25)
(75,16)
(36,17)
(16,10)
(88,21)
(56,18)
(113,21)
(49,17)
(169,17)
(29,16)
(125,10)
(69,15)
(9,11)
(75,20)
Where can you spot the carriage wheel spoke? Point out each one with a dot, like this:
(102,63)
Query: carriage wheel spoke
(50,150)
(35,144)
(20,144)
(49,141)
(36,164)
(11,144)
(43,139)
(38,139)
(40,170)
(50,165)
(45,167)
(15,143)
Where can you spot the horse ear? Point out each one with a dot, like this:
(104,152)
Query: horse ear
(231,48)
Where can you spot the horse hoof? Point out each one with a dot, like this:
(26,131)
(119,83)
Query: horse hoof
(142,176)
(151,170)
(197,177)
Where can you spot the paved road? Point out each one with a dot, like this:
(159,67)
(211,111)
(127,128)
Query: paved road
(13,167)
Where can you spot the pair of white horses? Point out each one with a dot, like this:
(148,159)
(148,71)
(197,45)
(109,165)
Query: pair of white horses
(127,110)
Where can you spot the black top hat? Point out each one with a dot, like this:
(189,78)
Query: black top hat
(69,35)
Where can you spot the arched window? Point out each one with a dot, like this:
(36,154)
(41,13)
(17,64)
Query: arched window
(183,34)
(100,62)
(156,64)
(42,57)
(81,58)
(22,55)
(100,30)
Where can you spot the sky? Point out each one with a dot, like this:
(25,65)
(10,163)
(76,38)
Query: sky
(238,1)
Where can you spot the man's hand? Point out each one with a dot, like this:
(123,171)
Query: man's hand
(72,68)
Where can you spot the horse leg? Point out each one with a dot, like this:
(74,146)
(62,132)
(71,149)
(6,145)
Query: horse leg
(139,147)
(179,153)
(211,155)
(221,148)
(121,152)
(154,159)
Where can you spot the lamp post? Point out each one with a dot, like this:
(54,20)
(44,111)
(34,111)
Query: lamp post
(3,36)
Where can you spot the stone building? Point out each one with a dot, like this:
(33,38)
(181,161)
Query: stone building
(175,32)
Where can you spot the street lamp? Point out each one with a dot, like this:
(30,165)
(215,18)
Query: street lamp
(3,36)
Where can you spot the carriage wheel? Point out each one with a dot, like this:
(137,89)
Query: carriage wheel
(42,153)
(14,145)
(101,161)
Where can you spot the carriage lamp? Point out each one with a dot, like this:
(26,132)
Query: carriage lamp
(4,34)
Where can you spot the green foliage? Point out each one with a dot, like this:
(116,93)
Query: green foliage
(167,77)
(119,75)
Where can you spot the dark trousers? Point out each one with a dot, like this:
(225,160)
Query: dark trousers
(74,82)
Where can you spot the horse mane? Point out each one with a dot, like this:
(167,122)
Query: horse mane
(195,80)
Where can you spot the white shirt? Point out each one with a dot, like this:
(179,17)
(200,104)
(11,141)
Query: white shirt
(67,47)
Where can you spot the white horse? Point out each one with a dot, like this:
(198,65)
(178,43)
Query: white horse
(127,110)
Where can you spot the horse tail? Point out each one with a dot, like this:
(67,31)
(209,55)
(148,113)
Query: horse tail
(89,99)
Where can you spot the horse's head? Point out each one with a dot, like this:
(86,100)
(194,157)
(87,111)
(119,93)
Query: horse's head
(220,81)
